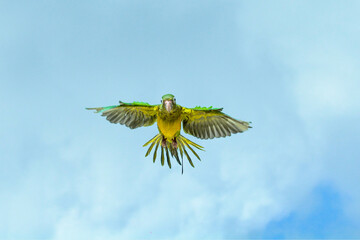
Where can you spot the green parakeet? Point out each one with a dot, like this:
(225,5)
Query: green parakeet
(201,122)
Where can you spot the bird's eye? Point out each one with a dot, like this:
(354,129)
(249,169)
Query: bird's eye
(174,99)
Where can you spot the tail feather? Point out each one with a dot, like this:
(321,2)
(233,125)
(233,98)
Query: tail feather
(189,158)
(177,157)
(156,148)
(181,150)
(152,140)
(174,153)
(182,144)
(162,156)
(191,143)
(192,150)
(167,157)
(151,146)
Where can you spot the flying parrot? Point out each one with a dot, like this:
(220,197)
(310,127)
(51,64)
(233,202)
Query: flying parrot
(201,122)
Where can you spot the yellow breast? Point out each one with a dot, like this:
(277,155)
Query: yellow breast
(169,129)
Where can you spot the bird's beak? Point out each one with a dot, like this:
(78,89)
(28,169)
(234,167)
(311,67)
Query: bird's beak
(168,105)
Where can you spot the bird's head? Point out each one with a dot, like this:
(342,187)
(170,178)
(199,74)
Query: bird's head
(168,102)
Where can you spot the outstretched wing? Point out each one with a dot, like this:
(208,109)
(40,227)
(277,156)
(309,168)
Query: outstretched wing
(210,122)
(132,115)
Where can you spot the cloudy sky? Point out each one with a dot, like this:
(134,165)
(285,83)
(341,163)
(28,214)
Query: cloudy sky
(290,67)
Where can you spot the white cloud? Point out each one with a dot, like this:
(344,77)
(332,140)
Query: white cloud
(323,79)
(328,85)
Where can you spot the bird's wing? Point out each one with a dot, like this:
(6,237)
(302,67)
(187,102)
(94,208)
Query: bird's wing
(210,122)
(132,115)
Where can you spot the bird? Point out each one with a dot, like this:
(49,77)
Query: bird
(200,122)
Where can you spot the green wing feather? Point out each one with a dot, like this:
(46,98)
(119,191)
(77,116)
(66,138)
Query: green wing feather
(132,115)
(206,123)
(205,108)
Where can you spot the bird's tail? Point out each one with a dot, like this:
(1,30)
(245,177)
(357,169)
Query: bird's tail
(180,146)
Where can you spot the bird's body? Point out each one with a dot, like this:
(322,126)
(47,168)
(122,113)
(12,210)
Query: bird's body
(204,123)
(169,124)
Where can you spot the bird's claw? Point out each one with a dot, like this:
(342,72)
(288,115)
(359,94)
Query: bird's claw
(174,143)
(163,142)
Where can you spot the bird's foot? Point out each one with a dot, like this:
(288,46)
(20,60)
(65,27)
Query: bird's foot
(163,142)
(174,143)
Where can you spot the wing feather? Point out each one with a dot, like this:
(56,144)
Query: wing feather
(219,131)
(224,128)
(208,123)
(132,115)
(212,135)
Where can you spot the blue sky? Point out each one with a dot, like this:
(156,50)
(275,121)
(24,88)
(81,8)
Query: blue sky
(290,67)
